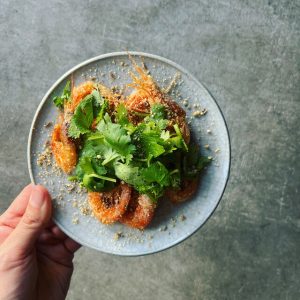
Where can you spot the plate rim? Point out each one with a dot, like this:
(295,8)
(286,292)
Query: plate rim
(142,54)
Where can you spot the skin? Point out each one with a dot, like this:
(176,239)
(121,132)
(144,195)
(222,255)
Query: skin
(35,256)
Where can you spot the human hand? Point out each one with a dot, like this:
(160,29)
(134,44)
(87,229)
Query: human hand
(35,255)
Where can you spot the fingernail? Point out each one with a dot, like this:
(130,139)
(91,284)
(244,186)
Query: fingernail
(36,198)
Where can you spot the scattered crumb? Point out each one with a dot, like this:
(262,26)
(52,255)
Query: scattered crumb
(49,124)
(115,89)
(206,146)
(44,158)
(173,222)
(182,218)
(163,228)
(85,210)
(118,235)
(112,75)
(208,131)
(217,150)
(199,113)
(123,64)
(75,220)
(185,102)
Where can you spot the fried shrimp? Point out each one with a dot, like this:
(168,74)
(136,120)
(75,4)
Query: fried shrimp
(78,93)
(63,149)
(140,211)
(110,206)
(145,94)
(107,93)
(187,190)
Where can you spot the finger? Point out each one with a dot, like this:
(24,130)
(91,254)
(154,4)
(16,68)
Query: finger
(71,245)
(5,231)
(17,207)
(34,220)
(45,236)
(53,233)
(58,233)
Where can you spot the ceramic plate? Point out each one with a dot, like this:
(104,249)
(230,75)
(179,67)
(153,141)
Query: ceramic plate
(172,223)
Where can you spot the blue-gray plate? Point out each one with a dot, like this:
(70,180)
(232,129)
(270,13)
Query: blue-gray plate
(172,223)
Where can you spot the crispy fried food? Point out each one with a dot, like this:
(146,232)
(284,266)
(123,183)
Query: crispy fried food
(78,93)
(110,206)
(187,190)
(140,211)
(63,149)
(107,93)
(146,93)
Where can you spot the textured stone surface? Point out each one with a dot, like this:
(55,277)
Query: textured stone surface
(247,54)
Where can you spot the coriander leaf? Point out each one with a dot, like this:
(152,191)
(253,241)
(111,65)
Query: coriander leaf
(193,163)
(82,118)
(122,116)
(122,119)
(98,166)
(93,183)
(84,115)
(150,143)
(110,155)
(101,150)
(91,173)
(158,115)
(156,172)
(178,132)
(97,97)
(102,111)
(129,174)
(158,112)
(150,181)
(203,161)
(165,135)
(73,131)
(116,137)
(175,178)
(66,93)
(85,164)
(58,102)
(73,178)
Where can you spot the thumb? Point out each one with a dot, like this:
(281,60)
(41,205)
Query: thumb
(34,220)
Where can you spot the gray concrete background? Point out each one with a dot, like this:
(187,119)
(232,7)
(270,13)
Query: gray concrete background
(247,54)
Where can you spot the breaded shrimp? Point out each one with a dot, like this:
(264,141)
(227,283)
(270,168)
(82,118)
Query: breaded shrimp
(78,93)
(140,211)
(63,149)
(110,206)
(146,93)
(187,190)
(107,93)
